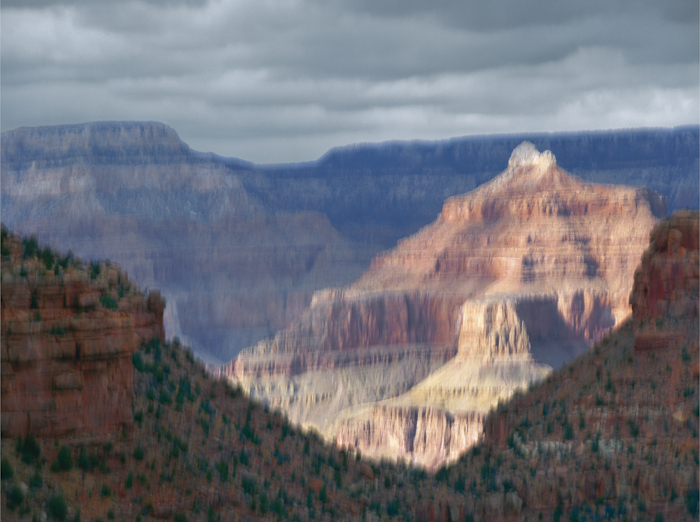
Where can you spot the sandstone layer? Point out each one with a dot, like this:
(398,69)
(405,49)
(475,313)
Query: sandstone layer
(238,249)
(514,278)
(68,335)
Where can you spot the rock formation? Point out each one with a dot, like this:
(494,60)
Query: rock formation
(618,426)
(68,334)
(666,283)
(233,269)
(514,278)
(238,249)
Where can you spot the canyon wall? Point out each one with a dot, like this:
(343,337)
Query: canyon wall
(68,335)
(239,249)
(514,278)
(667,282)
(630,403)
(433,433)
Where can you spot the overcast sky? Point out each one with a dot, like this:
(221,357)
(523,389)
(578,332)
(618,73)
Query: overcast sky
(285,80)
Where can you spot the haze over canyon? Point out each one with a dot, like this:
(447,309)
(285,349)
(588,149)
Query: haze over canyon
(239,249)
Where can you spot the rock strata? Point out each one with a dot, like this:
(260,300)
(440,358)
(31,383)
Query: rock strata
(517,276)
(618,426)
(238,249)
(666,283)
(68,334)
(433,433)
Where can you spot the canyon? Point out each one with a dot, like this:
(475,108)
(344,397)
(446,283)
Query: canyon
(240,249)
(69,331)
(611,435)
(513,279)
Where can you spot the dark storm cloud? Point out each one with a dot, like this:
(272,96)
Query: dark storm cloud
(488,16)
(32,4)
(277,80)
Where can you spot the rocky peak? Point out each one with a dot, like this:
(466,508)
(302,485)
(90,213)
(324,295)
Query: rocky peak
(534,187)
(526,154)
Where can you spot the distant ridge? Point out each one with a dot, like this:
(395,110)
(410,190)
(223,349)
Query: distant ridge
(136,193)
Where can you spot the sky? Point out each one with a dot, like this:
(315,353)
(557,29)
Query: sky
(274,81)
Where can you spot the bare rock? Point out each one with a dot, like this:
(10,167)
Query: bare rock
(66,360)
(516,277)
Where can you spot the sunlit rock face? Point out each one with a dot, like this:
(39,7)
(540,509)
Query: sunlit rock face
(512,279)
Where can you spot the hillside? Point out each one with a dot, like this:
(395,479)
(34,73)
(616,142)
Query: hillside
(239,249)
(612,436)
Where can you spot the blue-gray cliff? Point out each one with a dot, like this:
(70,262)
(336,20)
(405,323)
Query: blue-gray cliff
(239,248)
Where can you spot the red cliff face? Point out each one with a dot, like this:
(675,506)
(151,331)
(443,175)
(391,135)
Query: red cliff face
(518,276)
(67,339)
(666,282)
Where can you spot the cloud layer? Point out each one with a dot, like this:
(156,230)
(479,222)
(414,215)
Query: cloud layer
(284,80)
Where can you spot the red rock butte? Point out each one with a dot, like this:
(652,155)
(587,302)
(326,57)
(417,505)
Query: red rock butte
(667,282)
(514,278)
(68,337)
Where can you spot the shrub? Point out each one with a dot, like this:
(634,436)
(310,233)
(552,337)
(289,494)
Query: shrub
(7,472)
(58,507)
(392,508)
(14,497)
(180,517)
(634,429)
(138,453)
(65,460)
(568,431)
(248,485)
(684,354)
(57,329)
(262,502)
(222,467)
(164,397)
(106,491)
(129,482)
(137,361)
(109,302)
(691,501)
(31,245)
(86,463)
(29,449)
(47,258)
(36,481)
